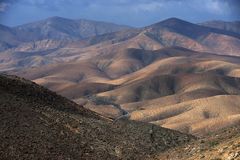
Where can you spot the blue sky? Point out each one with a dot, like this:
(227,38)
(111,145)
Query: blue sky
(129,12)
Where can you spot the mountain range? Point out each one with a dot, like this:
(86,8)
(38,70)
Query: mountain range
(172,74)
(47,43)
(55,28)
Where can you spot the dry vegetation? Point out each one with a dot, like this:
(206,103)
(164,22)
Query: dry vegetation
(221,145)
(38,124)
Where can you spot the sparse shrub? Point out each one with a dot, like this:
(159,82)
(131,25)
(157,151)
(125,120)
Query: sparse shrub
(103,100)
(216,159)
(103,64)
(213,143)
(86,92)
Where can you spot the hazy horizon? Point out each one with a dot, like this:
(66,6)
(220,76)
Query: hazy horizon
(136,13)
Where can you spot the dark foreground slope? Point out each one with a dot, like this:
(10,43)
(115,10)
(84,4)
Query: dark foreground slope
(38,124)
(221,145)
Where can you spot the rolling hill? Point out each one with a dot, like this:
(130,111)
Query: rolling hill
(161,87)
(161,74)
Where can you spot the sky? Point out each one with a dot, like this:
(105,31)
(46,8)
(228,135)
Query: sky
(137,13)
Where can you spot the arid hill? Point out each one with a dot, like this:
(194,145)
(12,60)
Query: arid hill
(38,124)
(125,85)
(78,40)
(162,74)
(165,87)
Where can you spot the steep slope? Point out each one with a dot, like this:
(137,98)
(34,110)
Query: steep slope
(176,32)
(38,124)
(224,144)
(171,32)
(188,29)
(8,38)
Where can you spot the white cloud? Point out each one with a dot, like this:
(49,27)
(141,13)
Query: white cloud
(3,6)
(148,7)
(215,7)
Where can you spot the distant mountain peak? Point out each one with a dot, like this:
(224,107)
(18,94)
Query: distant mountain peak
(3,27)
(172,22)
(179,26)
(174,19)
(57,18)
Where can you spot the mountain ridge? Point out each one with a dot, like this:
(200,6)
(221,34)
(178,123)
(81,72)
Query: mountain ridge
(224,25)
(55,28)
(69,28)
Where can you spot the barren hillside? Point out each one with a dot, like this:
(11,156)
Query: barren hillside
(162,74)
(162,87)
(221,145)
(37,123)
(58,40)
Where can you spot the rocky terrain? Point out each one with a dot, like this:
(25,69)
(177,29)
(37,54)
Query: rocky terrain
(162,74)
(39,124)
(222,145)
(122,86)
